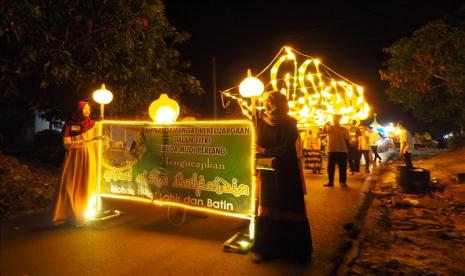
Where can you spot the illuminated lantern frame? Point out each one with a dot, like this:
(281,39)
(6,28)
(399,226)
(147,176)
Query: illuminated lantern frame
(164,110)
(314,92)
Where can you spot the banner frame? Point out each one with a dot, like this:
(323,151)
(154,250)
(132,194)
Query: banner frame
(251,214)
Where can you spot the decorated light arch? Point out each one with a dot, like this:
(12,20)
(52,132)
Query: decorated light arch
(314,91)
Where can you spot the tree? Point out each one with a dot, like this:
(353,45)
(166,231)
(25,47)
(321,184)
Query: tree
(426,72)
(54,52)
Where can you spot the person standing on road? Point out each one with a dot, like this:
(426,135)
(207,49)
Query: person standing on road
(282,228)
(337,148)
(406,144)
(354,153)
(79,172)
(364,146)
(374,138)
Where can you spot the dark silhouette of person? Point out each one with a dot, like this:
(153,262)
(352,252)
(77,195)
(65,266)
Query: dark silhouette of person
(374,138)
(354,153)
(406,144)
(364,146)
(282,228)
(337,148)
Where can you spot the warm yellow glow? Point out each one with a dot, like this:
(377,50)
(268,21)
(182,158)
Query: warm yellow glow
(102,96)
(165,115)
(92,207)
(244,244)
(251,86)
(164,110)
(168,203)
(250,214)
(314,92)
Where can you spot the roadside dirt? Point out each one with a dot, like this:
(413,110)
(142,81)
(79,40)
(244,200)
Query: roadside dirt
(25,187)
(413,233)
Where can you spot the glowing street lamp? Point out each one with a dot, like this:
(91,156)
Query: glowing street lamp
(103,97)
(251,86)
(164,110)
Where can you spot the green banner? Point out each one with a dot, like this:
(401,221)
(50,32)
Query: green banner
(201,164)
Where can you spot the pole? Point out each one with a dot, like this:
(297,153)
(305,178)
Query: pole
(99,168)
(215,110)
(102,106)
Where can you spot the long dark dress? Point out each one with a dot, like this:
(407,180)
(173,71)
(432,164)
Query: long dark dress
(282,228)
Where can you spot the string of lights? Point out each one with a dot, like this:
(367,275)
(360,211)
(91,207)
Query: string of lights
(314,91)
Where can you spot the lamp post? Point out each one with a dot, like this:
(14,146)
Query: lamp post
(164,110)
(103,97)
(251,87)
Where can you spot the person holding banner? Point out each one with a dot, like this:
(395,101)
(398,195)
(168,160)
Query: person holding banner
(282,228)
(79,172)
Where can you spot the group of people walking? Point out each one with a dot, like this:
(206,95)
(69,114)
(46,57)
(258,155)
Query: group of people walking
(361,141)
(344,146)
(347,146)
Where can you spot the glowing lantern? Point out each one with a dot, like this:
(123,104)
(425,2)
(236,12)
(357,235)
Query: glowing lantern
(251,86)
(314,92)
(164,110)
(103,97)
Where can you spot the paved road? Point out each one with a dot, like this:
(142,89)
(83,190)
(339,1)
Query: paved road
(143,242)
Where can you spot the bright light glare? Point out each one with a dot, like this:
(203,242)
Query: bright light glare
(91,211)
(251,87)
(102,96)
(165,115)
(244,244)
(164,110)
(449,135)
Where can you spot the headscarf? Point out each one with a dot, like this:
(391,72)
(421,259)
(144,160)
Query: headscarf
(78,123)
(276,108)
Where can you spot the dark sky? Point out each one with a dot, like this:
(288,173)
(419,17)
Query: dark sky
(347,35)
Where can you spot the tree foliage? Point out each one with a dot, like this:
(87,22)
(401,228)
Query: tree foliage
(426,72)
(54,52)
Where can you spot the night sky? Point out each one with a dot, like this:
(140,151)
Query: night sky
(348,37)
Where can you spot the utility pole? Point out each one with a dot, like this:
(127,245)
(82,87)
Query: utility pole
(215,110)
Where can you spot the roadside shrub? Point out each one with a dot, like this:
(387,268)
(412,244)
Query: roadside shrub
(47,138)
(456,141)
(48,147)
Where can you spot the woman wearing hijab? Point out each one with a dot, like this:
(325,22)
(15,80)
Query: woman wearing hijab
(282,228)
(79,175)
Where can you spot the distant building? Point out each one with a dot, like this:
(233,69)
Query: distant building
(22,130)
(375,125)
